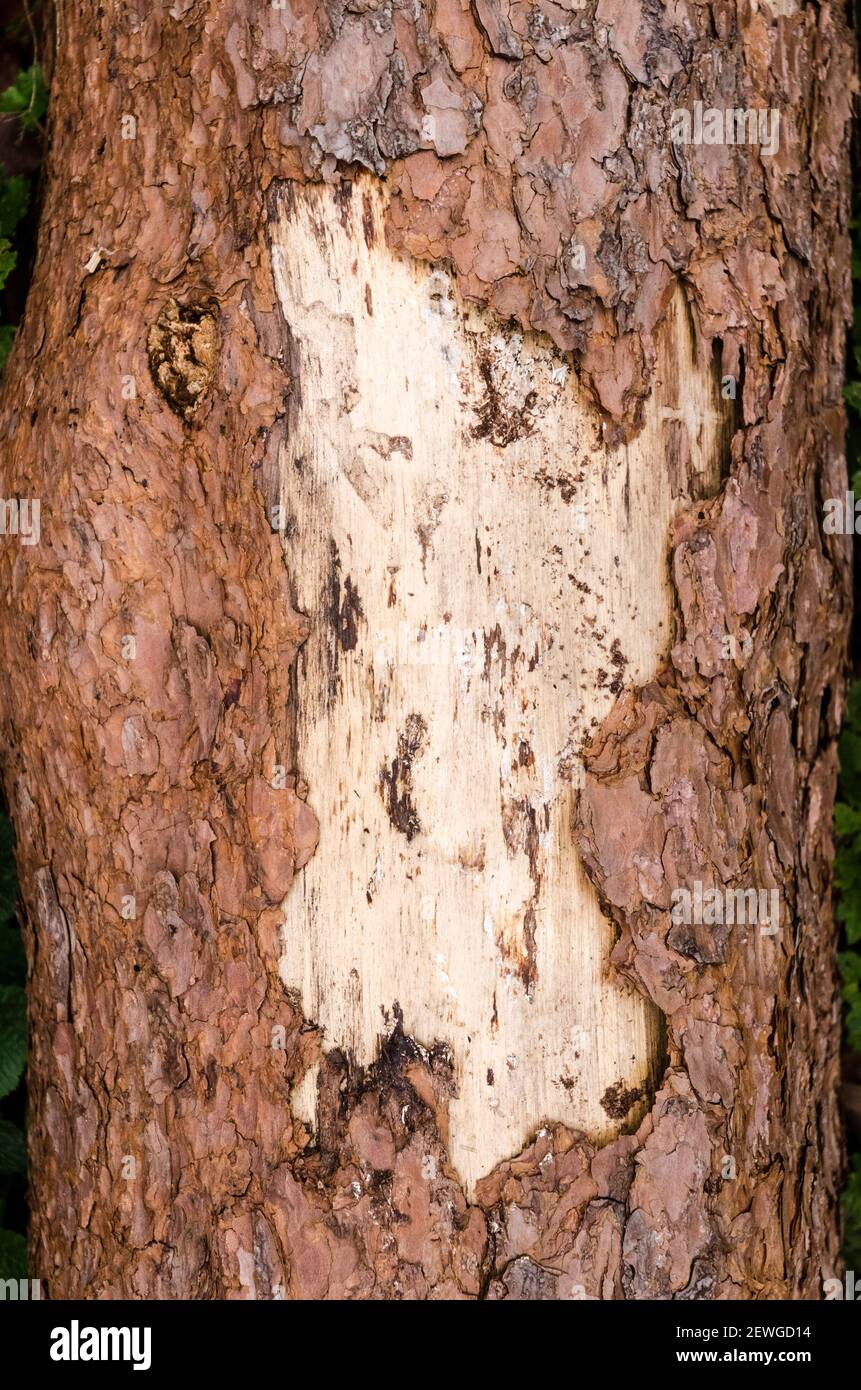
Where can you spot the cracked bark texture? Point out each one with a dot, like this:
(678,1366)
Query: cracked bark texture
(507,135)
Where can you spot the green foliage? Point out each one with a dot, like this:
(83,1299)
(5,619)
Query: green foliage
(8,259)
(852,389)
(852,1216)
(13,1255)
(14,201)
(847,874)
(7,334)
(13,1150)
(847,869)
(27,98)
(13,1037)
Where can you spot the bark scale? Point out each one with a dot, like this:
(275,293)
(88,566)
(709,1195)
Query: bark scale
(147,693)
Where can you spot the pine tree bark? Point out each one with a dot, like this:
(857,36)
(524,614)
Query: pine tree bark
(240,202)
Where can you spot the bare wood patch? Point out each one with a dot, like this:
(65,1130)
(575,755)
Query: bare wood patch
(500,575)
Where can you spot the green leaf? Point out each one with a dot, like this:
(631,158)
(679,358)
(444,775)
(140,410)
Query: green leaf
(7,337)
(13,1255)
(847,819)
(852,1216)
(27,98)
(8,257)
(14,199)
(13,1149)
(850,973)
(13,1037)
(852,396)
(8,875)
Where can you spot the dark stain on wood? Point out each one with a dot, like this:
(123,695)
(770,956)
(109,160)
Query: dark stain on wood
(617,1100)
(344,612)
(396,780)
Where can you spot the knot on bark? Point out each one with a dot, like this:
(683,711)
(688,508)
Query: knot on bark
(182,346)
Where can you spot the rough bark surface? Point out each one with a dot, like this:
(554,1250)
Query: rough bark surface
(504,134)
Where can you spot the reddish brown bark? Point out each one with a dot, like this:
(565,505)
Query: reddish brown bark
(151,1037)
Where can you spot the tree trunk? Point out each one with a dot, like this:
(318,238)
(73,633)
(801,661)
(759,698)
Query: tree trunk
(414,341)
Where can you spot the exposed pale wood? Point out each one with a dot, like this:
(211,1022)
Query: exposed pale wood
(482,574)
